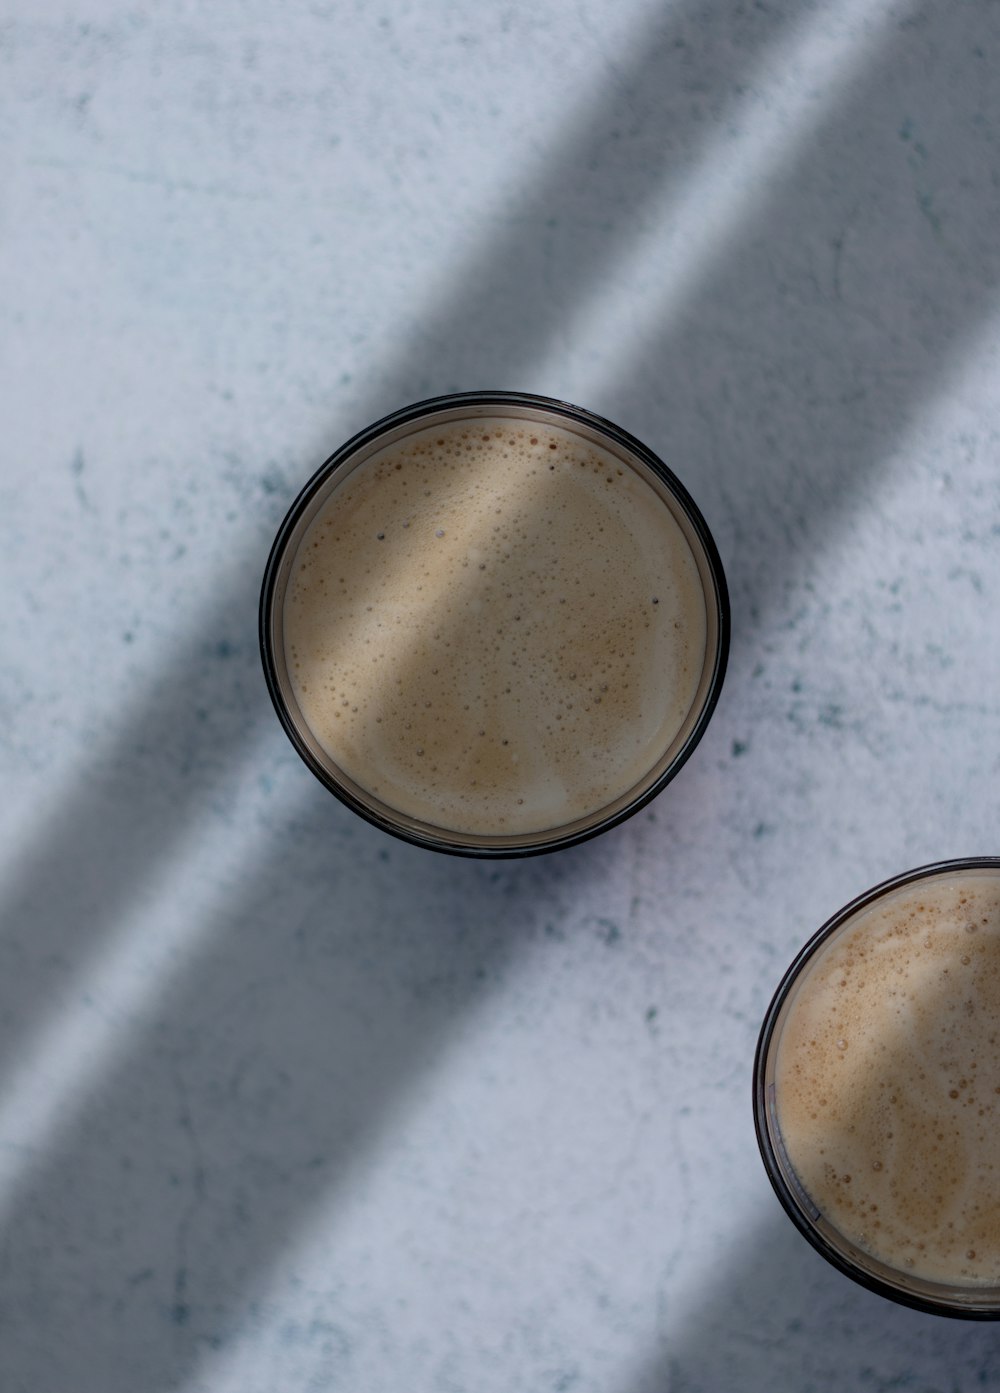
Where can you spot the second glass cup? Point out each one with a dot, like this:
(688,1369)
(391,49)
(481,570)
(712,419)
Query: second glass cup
(494,624)
(877,1089)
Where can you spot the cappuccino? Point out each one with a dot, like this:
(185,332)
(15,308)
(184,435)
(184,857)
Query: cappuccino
(885,1068)
(496,626)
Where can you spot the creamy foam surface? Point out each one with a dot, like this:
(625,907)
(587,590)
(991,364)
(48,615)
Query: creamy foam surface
(887,1080)
(495,626)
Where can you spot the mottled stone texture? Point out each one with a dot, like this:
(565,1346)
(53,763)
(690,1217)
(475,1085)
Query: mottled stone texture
(285,1104)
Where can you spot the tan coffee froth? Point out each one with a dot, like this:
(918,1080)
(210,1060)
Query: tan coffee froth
(495,626)
(887,1081)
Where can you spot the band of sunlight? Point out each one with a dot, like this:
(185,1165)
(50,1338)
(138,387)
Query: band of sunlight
(373,1191)
(91,1027)
(686,230)
(57,1069)
(335,1228)
(69,1048)
(684,233)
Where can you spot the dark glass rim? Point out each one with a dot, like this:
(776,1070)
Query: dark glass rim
(425,834)
(793,1206)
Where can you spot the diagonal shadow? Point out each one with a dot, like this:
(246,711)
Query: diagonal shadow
(265,1076)
(200,1157)
(779,1319)
(805,351)
(201,716)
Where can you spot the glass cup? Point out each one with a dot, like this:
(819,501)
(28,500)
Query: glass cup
(520,409)
(902,951)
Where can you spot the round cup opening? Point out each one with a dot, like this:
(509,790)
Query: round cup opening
(873,1088)
(401,437)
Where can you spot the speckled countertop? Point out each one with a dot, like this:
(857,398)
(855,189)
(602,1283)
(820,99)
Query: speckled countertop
(285,1104)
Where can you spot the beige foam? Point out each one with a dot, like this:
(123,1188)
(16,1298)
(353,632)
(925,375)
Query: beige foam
(495,626)
(887,1081)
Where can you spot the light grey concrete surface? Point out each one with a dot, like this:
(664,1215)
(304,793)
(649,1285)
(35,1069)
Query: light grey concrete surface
(286,1104)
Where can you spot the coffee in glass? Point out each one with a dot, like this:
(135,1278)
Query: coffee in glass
(877,1089)
(494,624)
